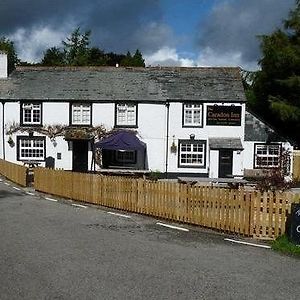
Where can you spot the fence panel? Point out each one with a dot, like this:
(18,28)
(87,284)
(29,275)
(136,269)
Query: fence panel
(14,172)
(296,165)
(251,213)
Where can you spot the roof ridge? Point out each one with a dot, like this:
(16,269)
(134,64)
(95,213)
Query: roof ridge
(150,68)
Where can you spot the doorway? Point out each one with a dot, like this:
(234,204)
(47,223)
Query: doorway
(225,163)
(80,156)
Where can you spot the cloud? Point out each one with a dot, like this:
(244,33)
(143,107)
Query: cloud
(117,25)
(231,29)
(33,42)
(168,57)
(210,58)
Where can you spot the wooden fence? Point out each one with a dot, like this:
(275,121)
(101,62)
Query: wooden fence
(239,211)
(296,165)
(14,172)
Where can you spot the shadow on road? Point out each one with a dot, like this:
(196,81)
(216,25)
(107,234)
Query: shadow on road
(4,194)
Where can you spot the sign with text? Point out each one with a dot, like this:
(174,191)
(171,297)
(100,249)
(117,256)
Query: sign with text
(295,223)
(223,115)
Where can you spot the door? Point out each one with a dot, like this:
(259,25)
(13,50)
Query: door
(80,156)
(225,163)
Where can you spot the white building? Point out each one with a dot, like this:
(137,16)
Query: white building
(188,121)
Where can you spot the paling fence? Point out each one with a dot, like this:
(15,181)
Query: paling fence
(296,165)
(14,172)
(250,213)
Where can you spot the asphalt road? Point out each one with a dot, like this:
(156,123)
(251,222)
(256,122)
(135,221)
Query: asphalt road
(54,250)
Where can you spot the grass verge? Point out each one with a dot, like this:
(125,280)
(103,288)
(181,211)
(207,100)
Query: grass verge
(284,245)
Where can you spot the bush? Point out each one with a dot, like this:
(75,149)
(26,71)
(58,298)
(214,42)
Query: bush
(284,245)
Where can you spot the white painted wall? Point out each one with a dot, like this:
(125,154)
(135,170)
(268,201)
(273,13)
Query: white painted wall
(55,113)
(237,168)
(11,115)
(152,131)
(1,130)
(3,65)
(152,127)
(177,132)
(213,163)
(103,114)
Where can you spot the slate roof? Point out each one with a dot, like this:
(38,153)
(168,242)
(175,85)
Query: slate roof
(129,84)
(258,131)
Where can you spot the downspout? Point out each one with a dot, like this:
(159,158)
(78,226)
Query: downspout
(167,141)
(3,131)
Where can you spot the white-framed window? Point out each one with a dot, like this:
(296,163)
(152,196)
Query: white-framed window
(126,114)
(81,114)
(125,156)
(267,156)
(31,113)
(31,149)
(192,153)
(192,115)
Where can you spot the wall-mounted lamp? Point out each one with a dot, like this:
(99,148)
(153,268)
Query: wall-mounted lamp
(192,136)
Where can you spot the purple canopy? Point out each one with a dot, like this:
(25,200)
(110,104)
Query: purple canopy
(121,140)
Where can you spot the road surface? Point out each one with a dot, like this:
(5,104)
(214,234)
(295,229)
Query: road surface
(55,250)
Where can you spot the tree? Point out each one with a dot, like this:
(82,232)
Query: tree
(138,60)
(97,57)
(127,60)
(277,86)
(76,52)
(53,57)
(8,47)
(133,61)
(76,48)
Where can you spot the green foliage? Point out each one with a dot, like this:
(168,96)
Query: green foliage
(53,57)
(275,91)
(8,47)
(97,57)
(76,52)
(76,48)
(154,175)
(284,245)
(133,61)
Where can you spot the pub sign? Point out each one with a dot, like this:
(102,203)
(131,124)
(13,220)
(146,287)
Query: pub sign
(218,115)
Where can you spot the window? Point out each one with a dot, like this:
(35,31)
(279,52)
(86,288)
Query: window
(267,156)
(81,114)
(31,148)
(192,115)
(125,156)
(31,113)
(192,153)
(126,115)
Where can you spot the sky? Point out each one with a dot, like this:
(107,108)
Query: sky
(168,32)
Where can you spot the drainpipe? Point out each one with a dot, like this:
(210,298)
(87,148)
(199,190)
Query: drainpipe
(167,141)
(3,132)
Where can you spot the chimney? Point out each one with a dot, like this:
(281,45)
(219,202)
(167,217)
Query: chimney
(3,65)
